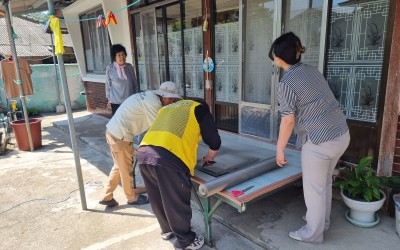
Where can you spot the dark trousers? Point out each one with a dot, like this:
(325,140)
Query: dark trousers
(169,193)
(114,108)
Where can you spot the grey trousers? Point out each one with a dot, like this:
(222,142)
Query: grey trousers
(318,163)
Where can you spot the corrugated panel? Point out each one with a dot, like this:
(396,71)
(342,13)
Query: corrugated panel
(27,51)
(31,41)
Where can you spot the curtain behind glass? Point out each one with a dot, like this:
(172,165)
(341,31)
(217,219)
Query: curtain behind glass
(96,44)
(139,52)
(193,49)
(161,45)
(304,17)
(150,50)
(227,51)
(175,46)
(258,37)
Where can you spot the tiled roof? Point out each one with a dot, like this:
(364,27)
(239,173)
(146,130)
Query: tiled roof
(31,39)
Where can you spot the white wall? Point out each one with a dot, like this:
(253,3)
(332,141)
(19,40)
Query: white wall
(119,33)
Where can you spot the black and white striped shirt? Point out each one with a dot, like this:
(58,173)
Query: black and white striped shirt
(304,92)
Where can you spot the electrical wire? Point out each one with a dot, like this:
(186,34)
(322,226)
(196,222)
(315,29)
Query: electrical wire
(97,184)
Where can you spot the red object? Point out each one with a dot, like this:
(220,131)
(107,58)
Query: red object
(111,18)
(21,135)
(237,193)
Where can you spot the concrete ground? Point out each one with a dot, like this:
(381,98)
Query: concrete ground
(40,205)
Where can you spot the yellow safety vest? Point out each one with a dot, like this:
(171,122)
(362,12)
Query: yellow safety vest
(176,129)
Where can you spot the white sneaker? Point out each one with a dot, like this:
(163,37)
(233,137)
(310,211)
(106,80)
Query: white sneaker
(295,235)
(196,244)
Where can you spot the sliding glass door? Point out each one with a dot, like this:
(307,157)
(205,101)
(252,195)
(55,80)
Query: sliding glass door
(257,109)
(262,22)
(169,46)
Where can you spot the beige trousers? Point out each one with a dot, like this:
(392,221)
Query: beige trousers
(318,163)
(122,152)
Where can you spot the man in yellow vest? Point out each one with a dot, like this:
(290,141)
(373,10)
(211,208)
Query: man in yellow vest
(133,117)
(167,158)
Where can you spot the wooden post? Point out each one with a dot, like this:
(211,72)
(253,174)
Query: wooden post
(208,48)
(391,101)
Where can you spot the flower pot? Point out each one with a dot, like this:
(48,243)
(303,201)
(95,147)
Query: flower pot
(21,135)
(396,199)
(362,213)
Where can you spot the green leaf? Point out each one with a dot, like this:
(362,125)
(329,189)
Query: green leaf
(346,171)
(368,195)
(354,183)
(364,162)
(376,193)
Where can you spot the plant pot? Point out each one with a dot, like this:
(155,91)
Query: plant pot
(362,213)
(396,199)
(21,135)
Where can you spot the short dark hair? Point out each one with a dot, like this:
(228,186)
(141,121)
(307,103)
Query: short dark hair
(286,47)
(115,49)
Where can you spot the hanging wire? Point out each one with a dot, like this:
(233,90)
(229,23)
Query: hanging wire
(95,18)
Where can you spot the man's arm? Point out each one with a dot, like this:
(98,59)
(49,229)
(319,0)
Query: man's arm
(208,131)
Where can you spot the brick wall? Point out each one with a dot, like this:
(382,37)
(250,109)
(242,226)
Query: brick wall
(396,160)
(395,171)
(96,100)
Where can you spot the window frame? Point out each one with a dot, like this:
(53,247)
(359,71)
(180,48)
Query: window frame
(93,37)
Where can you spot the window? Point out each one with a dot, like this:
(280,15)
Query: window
(96,43)
(355,56)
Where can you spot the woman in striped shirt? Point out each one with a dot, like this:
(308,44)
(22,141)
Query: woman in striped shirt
(308,106)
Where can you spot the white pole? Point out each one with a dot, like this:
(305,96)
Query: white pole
(67,102)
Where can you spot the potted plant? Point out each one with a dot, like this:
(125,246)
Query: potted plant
(361,191)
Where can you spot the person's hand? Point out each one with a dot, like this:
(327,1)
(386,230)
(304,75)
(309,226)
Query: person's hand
(280,158)
(207,161)
(209,158)
(108,105)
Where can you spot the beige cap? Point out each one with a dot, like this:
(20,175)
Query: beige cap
(168,90)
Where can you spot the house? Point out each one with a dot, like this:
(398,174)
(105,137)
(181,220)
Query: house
(350,42)
(32,43)
(35,45)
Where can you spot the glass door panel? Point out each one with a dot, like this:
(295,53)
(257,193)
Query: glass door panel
(257,110)
(139,50)
(227,46)
(304,18)
(193,49)
(150,47)
(162,57)
(258,37)
(174,46)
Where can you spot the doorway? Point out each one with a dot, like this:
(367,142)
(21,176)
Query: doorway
(169,46)
(263,21)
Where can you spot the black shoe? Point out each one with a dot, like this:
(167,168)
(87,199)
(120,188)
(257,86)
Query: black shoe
(141,200)
(167,236)
(110,203)
(196,244)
